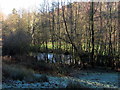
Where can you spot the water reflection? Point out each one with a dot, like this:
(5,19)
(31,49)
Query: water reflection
(53,58)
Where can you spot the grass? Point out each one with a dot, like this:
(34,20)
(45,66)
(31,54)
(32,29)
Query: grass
(55,45)
(49,45)
(74,84)
(44,78)
(15,72)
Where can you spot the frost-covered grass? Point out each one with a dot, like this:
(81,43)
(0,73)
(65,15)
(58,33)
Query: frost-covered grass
(67,82)
(98,78)
(13,72)
(60,82)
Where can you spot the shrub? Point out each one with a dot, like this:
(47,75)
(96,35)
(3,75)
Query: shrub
(16,43)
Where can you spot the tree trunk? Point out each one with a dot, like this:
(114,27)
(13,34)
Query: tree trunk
(92,33)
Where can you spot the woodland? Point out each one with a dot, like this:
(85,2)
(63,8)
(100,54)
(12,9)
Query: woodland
(61,39)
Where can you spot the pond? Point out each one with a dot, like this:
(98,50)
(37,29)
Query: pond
(53,58)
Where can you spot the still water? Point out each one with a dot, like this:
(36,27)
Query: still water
(53,58)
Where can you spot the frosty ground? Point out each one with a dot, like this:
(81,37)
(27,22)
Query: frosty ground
(86,78)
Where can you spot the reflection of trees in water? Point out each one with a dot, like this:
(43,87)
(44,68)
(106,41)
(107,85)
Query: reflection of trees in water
(55,57)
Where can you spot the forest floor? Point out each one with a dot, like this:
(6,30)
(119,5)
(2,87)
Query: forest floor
(86,78)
